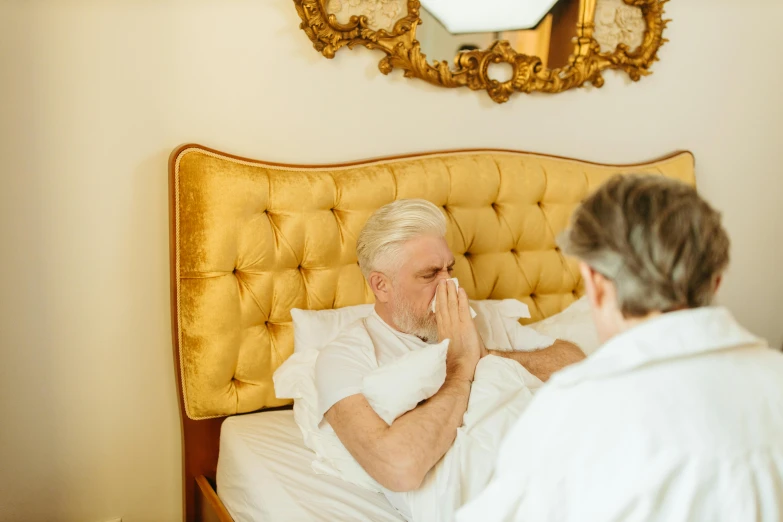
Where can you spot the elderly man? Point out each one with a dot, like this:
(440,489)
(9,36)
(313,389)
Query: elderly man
(679,415)
(403,254)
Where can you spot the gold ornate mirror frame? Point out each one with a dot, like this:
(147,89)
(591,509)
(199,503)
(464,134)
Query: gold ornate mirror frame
(471,69)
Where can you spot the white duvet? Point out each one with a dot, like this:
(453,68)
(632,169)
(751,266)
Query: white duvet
(501,390)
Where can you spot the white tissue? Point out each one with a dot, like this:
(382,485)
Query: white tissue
(456,284)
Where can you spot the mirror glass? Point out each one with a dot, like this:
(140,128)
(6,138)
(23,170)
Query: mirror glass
(542,28)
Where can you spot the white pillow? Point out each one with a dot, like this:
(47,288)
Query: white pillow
(398,387)
(314,329)
(574,324)
(498,324)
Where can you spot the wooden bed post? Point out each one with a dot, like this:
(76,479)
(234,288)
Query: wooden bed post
(200,438)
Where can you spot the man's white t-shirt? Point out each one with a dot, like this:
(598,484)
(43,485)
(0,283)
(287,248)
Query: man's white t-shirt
(361,348)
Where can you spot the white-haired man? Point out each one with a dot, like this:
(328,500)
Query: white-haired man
(403,253)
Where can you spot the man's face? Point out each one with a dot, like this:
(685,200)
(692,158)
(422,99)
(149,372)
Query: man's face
(422,264)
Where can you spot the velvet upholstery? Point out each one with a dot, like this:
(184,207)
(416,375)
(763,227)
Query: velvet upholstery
(253,240)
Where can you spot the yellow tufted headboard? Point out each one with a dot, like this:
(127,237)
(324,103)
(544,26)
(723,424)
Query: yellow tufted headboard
(251,240)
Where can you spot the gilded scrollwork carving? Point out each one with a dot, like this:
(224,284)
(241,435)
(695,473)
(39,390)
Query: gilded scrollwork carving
(633,29)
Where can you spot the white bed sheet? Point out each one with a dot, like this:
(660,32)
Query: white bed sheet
(264,474)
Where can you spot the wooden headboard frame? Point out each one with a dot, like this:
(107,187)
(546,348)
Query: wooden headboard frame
(200,438)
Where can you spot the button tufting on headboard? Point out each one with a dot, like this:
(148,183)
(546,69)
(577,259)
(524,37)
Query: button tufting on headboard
(287,235)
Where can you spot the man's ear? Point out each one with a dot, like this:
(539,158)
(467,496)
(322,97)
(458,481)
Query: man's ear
(594,287)
(380,286)
(718,281)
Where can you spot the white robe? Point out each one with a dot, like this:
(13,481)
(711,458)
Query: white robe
(678,419)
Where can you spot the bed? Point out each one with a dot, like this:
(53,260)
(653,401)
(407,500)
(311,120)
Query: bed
(252,239)
(264,473)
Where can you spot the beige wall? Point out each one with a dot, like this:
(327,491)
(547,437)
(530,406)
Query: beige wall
(95,95)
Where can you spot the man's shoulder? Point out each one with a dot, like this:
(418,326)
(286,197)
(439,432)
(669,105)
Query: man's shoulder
(350,335)
(342,365)
(353,342)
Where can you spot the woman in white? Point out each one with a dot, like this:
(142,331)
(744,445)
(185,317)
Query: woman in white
(679,415)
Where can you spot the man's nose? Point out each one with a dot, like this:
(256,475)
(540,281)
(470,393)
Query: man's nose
(443,275)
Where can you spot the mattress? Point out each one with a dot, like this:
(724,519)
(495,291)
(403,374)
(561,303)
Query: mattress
(264,475)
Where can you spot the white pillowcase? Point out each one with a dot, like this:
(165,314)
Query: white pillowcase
(574,324)
(314,329)
(498,324)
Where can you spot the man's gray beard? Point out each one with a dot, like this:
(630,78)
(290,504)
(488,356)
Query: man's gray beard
(406,319)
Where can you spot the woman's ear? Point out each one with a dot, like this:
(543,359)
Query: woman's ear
(593,288)
(380,286)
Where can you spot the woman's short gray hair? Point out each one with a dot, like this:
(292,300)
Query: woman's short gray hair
(656,239)
(392,225)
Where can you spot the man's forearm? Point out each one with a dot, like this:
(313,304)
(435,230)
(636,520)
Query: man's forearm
(543,363)
(428,431)
(399,456)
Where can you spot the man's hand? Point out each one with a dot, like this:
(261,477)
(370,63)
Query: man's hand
(543,363)
(456,324)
